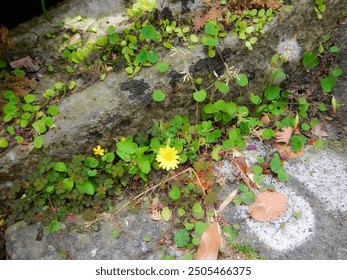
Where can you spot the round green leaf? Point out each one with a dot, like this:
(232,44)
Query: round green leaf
(166,214)
(162,67)
(59,166)
(158,96)
(181,238)
(152,57)
(29,98)
(175,193)
(242,80)
(92,172)
(211,28)
(200,96)
(148,32)
(53,110)
(38,142)
(3,143)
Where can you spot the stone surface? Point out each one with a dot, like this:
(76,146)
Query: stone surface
(117,106)
(89,240)
(101,111)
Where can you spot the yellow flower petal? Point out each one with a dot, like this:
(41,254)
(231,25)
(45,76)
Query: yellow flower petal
(167,158)
(99,151)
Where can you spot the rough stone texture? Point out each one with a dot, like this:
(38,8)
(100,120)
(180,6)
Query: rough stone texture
(107,109)
(89,240)
(119,106)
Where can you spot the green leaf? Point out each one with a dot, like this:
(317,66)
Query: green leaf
(175,193)
(108,157)
(310,60)
(181,212)
(59,166)
(181,238)
(276,163)
(328,83)
(257,169)
(162,67)
(53,110)
(152,56)
(255,99)
(337,72)
(242,80)
(148,32)
(296,142)
(223,88)
(91,162)
(166,214)
(194,38)
(3,143)
(38,142)
(305,126)
(92,172)
(158,95)
(29,98)
(144,164)
(200,227)
(267,133)
(68,184)
(115,233)
(334,49)
(142,56)
(211,28)
(86,187)
(209,41)
(197,210)
(283,176)
(200,96)
(272,92)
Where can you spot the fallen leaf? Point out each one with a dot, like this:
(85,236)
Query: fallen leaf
(268,206)
(156,215)
(284,135)
(210,243)
(320,130)
(265,120)
(286,152)
(25,62)
(226,202)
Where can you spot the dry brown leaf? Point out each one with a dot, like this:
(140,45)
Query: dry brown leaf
(226,202)
(284,135)
(156,215)
(210,243)
(286,152)
(268,206)
(265,120)
(25,62)
(320,130)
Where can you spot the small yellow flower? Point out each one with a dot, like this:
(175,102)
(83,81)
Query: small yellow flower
(99,151)
(167,158)
(123,139)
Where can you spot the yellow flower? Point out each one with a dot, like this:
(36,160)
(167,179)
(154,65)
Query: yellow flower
(123,139)
(99,151)
(167,158)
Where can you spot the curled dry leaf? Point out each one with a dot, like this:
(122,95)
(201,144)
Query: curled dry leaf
(284,135)
(210,243)
(268,206)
